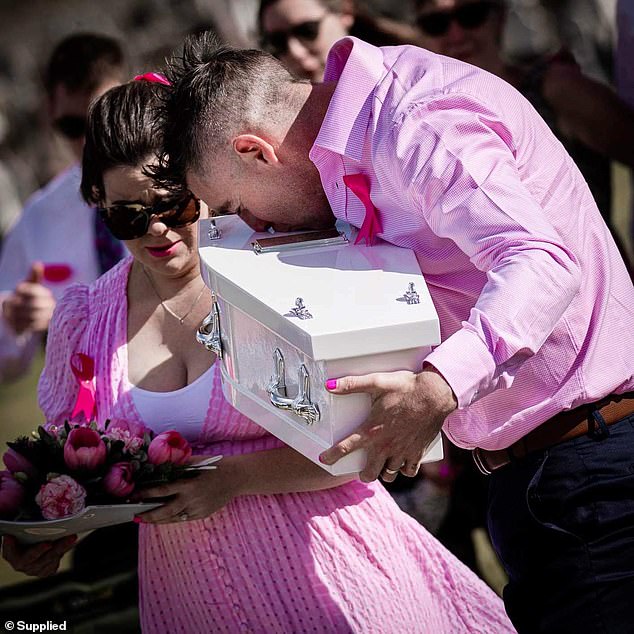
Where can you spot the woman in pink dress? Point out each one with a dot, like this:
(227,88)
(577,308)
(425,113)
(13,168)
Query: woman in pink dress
(269,542)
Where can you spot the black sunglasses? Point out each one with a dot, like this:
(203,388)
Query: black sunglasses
(276,42)
(127,221)
(468,16)
(71,126)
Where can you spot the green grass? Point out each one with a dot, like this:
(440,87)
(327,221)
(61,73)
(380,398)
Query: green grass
(19,412)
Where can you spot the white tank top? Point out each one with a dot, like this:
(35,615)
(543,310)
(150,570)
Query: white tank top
(183,410)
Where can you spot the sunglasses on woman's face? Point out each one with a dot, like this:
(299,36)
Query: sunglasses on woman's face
(276,42)
(468,16)
(128,221)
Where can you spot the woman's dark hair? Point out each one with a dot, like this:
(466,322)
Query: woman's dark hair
(121,131)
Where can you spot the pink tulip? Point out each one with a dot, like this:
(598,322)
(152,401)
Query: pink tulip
(119,480)
(84,449)
(60,497)
(129,432)
(15,462)
(169,446)
(11,495)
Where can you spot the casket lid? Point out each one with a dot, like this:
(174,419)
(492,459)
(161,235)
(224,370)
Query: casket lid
(355,293)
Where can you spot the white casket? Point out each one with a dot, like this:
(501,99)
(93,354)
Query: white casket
(290,313)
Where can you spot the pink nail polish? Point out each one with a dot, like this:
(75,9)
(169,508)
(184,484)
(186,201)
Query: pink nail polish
(321,459)
(331,384)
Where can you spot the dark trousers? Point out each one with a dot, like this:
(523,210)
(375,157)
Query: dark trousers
(562,523)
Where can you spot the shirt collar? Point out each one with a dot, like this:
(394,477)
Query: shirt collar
(357,67)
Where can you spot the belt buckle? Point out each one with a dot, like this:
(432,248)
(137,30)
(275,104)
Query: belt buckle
(479,462)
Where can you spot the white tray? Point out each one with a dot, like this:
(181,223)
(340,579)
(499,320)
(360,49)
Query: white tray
(90,518)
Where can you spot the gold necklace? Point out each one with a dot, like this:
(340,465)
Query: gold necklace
(182,319)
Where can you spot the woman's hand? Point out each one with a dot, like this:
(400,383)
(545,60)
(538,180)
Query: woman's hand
(38,560)
(194,498)
(268,472)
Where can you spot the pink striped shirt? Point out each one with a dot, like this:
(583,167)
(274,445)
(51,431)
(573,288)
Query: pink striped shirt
(535,303)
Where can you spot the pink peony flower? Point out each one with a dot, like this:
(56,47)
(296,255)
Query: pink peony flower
(119,480)
(61,497)
(84,449)
(11,495)
(15,462)
(169,446)
(129,432)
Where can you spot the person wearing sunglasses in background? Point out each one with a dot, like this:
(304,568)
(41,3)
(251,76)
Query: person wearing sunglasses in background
(594,125)
(58,239)
(301,32)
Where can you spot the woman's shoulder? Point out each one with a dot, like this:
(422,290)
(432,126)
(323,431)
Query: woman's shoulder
(79,300)
(113,281)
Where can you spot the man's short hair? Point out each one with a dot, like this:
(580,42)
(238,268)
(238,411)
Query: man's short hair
(82,61)
(218,91)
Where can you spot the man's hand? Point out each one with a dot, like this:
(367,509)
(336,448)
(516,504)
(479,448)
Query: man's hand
(30,307)
(408,411)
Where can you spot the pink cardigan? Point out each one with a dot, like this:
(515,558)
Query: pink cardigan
(93,320)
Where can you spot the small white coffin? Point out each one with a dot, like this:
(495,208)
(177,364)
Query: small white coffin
(291,313)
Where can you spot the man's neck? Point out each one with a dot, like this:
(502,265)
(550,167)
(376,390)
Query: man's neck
(305,128)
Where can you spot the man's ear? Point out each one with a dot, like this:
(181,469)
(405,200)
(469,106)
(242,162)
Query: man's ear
(250,147)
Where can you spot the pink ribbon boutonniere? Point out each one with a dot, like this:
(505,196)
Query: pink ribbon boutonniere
(83,368)
(359,185)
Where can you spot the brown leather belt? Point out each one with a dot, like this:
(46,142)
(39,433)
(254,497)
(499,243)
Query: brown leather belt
(564,426)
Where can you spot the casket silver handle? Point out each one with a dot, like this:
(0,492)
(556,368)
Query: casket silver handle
(301,405)
(209,331)
(277,385)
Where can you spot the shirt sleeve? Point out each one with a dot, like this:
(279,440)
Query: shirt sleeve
(461,173)
(57,389)
(16,351)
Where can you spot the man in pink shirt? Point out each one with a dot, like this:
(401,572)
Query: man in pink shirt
(536,364)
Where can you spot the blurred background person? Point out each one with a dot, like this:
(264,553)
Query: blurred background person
(585,27)
(301,32)
(594,125)
(58,239)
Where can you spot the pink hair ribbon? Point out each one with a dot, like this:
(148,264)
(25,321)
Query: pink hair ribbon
(360,187)
(83,368)
(154,78)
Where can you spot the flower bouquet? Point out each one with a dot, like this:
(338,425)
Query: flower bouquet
(77,477)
